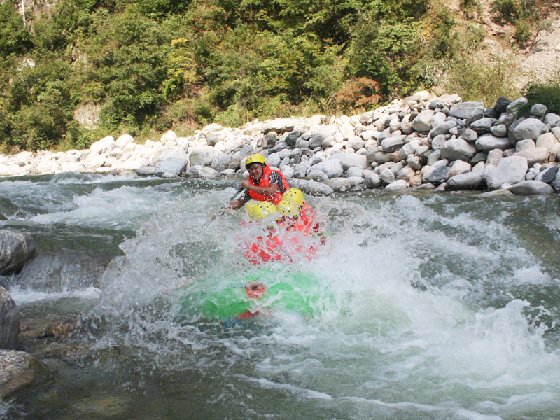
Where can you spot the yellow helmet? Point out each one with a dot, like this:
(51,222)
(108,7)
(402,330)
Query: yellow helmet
(295,195)
(289,208)
(255,158)
(262,210)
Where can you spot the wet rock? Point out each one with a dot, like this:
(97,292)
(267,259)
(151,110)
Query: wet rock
(548,175)
(312,187)
(457,149)
(531,188)
(17,370)
(9,321)
(397,185)
(466,181)
(15,250)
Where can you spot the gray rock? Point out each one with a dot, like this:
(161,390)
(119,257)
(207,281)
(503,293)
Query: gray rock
(548,175)
(550,142)
(393,143)
(531,188)
(517,105)
(438,141)
(292,137)
(333,168)
(351,159)
(17,370)
(457,149)
(398,185)
(499,130)
(468,181)
(556,182)
(510,170)
(530,128)
(458,167)
(279,125)
(221,162)
(489,142)
(496,193)
(501,105)
(470,111)
(527,149)
(318,175)
(355,172)
(198,171)
(387,176)
(494,157)
(201,155)
(145,171)
(470,135)
(9,321)
(15,250)
(482,125)
(438,175)
(538,110)
(552,119)
(423,121)
(443,127)
(312,187)
(414,162)
(339,184)
(371,179)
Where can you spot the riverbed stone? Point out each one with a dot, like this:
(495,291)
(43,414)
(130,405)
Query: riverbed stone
(548,175)
(488,142)
(17,370)
(517,105)
(15,250)
(530,128)
(397,185)
(531,188)
(499,130)
(466,181)
(393,143)
(457,149)
(9,321)
(510,170)
(470,111)
(538,110)
(423,121)
(351,159)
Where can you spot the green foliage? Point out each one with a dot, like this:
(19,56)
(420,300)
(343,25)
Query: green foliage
(14,36)
(40,105)
(523,14)
(380,51)
(126,68)
(545,93)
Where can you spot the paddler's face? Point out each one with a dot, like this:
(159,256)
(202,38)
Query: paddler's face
(255,172)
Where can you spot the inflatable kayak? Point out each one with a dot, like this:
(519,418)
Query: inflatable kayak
(261,292)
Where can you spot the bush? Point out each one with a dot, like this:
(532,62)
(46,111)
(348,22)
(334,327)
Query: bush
(14,36)
(357,93)
(481,79)
(546,94)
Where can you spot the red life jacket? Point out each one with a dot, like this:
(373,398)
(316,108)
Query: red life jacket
(265,182)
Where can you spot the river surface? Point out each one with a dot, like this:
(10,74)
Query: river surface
(430,305)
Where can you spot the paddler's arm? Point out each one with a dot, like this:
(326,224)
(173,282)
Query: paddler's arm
(238,202)
(270,190)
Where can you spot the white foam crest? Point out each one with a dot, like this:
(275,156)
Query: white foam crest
(22,296)
(171,249)
(120,207)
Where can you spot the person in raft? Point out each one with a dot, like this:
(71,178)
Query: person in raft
(262,184)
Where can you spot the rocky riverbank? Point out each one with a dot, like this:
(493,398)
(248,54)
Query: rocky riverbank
(422,142)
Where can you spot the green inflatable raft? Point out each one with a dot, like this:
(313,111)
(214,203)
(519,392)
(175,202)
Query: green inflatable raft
(261,292)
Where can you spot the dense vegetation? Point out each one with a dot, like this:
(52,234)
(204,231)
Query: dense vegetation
(141,65)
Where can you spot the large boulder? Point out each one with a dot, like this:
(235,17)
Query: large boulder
(530,128)
(311,187)
(349,160)
(9,321)
(17,369)
(466,182)
(510,170)
(470,111)
(531,188)
(489,142)
(15,249)
(457,149)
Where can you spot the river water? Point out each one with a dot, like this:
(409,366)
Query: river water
(430,305)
